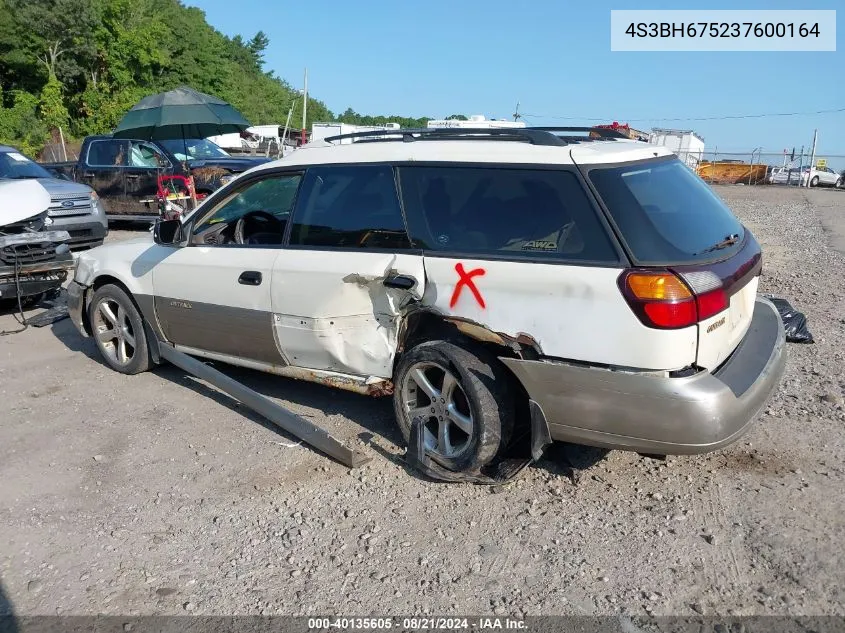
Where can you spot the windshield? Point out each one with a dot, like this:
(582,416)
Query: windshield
(666,214)
(197,148)
(16,165)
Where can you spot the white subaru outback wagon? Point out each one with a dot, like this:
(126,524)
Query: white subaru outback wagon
(480,276)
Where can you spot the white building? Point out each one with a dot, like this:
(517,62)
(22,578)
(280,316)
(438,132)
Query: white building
(475,121)
(688,145)
(320,131)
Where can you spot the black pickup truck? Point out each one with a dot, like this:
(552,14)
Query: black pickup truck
(129,175)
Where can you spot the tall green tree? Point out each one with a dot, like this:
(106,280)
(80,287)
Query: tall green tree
(51,105)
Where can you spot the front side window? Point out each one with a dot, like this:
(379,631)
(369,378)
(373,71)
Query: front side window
(349,207)
(503,212)
(143,154)
(256,214)
(107,153)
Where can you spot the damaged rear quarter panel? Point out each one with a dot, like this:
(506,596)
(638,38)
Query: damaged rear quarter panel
(332,310)
(573,312)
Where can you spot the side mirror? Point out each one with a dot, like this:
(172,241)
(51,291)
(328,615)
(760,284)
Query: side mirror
(167,231)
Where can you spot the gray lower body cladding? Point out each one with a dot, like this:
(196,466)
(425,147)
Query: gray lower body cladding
(222,329)
(649,414)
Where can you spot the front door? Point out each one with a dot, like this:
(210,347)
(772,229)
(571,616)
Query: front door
(214,295)
(105,164)
(146,163)
(341,284)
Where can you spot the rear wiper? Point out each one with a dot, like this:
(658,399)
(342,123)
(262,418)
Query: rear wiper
(729,240)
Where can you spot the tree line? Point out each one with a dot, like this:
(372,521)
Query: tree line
(79,65)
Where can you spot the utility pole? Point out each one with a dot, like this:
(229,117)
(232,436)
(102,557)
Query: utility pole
(304,107)
(516,114)
(812,157)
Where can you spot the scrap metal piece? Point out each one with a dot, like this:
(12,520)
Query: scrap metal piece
(278,415)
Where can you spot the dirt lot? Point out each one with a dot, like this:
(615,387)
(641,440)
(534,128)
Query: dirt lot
(156,494)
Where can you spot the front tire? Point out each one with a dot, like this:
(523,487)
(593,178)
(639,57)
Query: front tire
(465,399)
(118,330)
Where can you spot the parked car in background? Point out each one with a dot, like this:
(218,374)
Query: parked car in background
(595,286)
(819,177)
(128,175)
(34,255)
(74,207)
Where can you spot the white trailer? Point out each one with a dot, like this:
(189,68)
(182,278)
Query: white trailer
(320,131)
(688,145)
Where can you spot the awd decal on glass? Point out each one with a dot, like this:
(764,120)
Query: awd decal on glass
(465,279)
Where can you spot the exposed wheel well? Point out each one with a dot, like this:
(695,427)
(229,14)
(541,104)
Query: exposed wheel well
(99,282)
(423,325)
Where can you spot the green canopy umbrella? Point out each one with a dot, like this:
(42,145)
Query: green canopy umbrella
(181,113)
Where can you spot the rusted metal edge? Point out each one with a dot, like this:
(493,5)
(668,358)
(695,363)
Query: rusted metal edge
(278,415)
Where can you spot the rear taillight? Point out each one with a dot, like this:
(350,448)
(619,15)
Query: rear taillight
(664,300)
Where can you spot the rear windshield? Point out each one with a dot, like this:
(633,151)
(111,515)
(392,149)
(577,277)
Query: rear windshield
(503,212)
(666,214)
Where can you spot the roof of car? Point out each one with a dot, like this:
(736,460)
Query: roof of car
(7,148)
(468,151)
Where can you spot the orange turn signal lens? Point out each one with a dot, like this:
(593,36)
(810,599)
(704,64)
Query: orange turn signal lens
(657,287)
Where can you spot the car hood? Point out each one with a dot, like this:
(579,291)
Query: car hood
(21,199)
(57,186)
(232,164)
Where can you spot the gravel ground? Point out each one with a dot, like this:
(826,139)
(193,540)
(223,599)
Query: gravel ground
(155,494)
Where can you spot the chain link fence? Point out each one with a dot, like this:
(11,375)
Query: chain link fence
(756,167)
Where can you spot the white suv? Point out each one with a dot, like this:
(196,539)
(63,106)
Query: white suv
(480,276)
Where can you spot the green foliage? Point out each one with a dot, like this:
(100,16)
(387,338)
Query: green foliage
(51,107)
(20,125)
(83,63)
(352,117)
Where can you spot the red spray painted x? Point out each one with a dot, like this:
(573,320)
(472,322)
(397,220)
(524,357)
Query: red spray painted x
(465,279)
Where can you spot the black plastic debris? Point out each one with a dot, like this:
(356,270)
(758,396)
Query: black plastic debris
(794,322)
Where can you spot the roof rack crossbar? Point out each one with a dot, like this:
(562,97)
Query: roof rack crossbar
(535,135)
(526,135)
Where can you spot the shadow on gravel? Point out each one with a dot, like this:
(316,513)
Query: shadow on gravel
(373,414)
(65,331)
(8,623)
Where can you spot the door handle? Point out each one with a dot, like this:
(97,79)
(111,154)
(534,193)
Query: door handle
(250,278)
(403,282)
(88,174)
(133,176)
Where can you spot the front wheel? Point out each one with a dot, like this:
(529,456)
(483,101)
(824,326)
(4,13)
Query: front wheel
(463,397)
(838,184)
(118,330)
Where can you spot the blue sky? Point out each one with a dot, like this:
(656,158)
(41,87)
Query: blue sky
(439,57)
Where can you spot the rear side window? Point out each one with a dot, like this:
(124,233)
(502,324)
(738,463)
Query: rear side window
(494,211)
(107,153)
(349,207)
(667,214)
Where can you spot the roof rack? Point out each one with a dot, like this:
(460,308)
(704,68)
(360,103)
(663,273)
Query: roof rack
(535,135)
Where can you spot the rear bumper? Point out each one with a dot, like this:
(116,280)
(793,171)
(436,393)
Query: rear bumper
(648,414)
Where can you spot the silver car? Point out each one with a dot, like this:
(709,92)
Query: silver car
(74,207)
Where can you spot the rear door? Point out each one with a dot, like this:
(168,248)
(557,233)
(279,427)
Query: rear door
(104,166)
(349,270)
(215,294)
(668,218)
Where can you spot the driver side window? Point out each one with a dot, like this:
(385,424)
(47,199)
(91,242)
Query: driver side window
(256,214)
